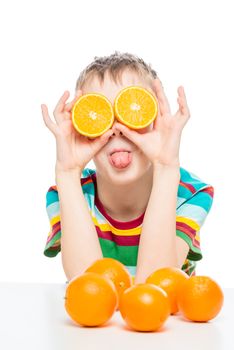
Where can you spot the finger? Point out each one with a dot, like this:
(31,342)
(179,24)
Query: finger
(61,102)
(69,106)
(182,101)
(59,108)
(48,122)
(99,142)
(132,135)
(158,117)
(163,101)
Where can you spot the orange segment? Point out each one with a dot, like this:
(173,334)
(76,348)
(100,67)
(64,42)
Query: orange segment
(92,115)
(135,107)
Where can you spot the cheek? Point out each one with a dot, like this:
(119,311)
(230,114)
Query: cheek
(100,159)
(97,158)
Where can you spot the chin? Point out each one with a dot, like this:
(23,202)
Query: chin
(124,176)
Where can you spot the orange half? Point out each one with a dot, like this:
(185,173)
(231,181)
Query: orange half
(92,115)
(135,107)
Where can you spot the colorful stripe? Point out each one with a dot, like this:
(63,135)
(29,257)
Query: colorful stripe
(188,186)
(120,240)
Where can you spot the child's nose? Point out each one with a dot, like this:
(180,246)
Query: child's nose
(116,132)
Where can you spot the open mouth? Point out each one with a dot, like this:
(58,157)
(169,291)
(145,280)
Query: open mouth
(119,150)
(120,158)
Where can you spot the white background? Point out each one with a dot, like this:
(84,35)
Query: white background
(44,46)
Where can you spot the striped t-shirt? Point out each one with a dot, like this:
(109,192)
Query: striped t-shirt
(120,240)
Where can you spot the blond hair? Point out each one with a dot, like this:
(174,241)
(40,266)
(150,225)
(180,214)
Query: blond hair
(115,65)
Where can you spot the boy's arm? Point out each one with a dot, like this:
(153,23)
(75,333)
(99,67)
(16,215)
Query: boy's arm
(79,241)
(159,246)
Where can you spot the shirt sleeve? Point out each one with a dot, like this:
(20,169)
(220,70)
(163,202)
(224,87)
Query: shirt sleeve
(190,216)
(52,247)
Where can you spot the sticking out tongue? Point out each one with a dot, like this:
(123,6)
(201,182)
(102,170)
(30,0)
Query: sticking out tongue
(121,159)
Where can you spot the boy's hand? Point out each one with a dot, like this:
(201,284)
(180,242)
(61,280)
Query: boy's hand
(74,150)
(161,143)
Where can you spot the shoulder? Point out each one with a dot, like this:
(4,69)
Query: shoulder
(191,185)
(87,183)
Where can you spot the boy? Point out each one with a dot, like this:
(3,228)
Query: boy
(138,206)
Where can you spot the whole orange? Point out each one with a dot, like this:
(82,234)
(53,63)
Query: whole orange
(144,307)
(115,270)
(90,299)
(200,298)
(169,279)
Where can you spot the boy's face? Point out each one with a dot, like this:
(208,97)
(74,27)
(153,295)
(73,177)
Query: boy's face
(121,167)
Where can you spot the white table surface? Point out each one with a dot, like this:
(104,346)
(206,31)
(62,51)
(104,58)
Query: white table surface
(32,316)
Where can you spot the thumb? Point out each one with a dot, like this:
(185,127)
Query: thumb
(70,105)
(132,135)
(99,142)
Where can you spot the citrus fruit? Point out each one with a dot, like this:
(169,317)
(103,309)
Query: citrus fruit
(169,279)
(135,107)
(144,307)
(115,270)
(200,298)
(92,115)
(90,299)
